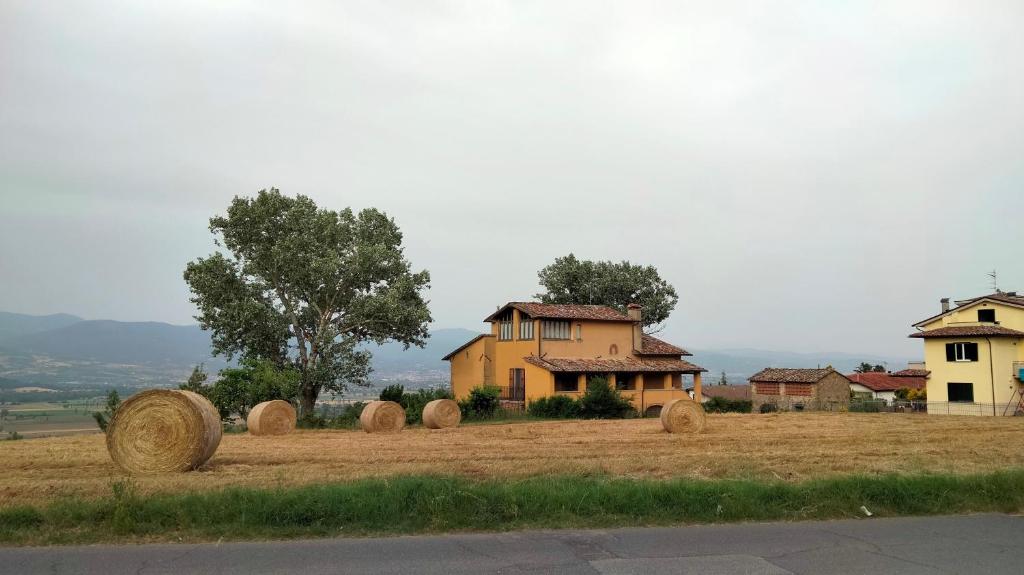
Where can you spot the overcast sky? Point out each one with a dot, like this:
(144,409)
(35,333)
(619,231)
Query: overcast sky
(811,176)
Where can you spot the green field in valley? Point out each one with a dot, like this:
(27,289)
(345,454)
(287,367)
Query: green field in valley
(40,419)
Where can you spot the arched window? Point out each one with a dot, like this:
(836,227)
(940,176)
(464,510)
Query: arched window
(613,350)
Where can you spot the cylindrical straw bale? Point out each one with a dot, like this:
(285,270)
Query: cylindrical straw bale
(163,430)
(275,417)
(682,416)
(441,413)
(382,416)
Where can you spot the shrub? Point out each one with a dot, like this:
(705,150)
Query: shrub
(768,408)
(392,393)
(103,417)
(482,403)
(555,407)
(346,418)
(413,403)
(239,389)
(600,401)
(723,405)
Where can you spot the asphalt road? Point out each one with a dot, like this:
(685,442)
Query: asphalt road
(989,544)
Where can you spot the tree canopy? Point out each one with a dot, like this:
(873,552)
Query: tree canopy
(303,287)
(572,281)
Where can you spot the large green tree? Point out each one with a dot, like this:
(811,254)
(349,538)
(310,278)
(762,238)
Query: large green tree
(304,286)
(570,280)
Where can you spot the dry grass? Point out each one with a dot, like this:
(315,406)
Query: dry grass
(777,446)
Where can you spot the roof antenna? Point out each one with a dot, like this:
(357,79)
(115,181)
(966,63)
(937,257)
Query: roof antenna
(995,280)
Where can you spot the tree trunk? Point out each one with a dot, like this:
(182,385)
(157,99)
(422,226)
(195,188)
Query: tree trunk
(309,395)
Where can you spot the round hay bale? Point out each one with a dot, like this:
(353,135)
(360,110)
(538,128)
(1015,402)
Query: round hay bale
(382,417)
(275,417)
(682,416)
(441,413)
(163,430)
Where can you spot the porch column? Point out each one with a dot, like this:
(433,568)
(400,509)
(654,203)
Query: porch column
(611,380)
(697,394)
(639,382)
(581,382)
(668,381)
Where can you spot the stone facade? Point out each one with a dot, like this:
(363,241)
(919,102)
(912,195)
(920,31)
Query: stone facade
(830,393)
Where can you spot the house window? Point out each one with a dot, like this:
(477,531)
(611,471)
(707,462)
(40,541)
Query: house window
(960,392)
(505,326)
(567,382)
(525,329)
(554,329)
(964,351)
(987,315)
(802,389)
(766,388)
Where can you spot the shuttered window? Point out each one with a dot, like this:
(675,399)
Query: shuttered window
(554,329)
(960,392)
(964,351)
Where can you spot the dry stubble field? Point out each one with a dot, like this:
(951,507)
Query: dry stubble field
(790,447)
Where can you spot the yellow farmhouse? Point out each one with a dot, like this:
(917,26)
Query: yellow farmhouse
(975,353)
(536,350)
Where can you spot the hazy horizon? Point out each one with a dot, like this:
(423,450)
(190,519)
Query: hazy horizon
(809,176)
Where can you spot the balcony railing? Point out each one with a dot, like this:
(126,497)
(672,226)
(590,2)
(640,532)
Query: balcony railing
(512,393)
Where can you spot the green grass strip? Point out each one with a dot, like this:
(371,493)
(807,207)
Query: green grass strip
(427,504)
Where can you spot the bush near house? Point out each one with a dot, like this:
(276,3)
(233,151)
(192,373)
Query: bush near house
(482,403)
(555,407)
(723,405)
(602,401)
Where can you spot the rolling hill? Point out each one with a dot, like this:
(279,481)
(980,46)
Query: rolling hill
(175,348)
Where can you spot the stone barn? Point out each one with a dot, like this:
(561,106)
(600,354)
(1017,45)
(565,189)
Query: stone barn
(800,389)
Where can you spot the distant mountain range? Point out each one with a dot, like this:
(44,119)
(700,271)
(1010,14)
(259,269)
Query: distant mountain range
(162,346)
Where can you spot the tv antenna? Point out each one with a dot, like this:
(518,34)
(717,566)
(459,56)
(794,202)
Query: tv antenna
(992,275)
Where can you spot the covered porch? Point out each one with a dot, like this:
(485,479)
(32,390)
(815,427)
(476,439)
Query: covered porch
(647,385)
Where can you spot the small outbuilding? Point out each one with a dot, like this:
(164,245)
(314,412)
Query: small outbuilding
(881,385)
(823,389)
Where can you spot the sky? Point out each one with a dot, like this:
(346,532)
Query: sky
(810,176)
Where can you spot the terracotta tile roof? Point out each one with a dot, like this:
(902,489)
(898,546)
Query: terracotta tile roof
(465,345)
(969,331)
(912,373)
(654,346)
(878,381)
(726,391)
(586,365)
(1003,297)
(787,375)
(1010,298)
(563,311)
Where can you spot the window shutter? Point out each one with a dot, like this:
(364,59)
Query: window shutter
(950,352)
(971,351)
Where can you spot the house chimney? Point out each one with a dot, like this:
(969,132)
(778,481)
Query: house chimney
(945,304)
(635,313)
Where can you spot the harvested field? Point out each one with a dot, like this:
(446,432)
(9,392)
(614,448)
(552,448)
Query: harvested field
(777,446)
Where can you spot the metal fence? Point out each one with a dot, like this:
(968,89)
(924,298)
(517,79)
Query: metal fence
(932,407)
